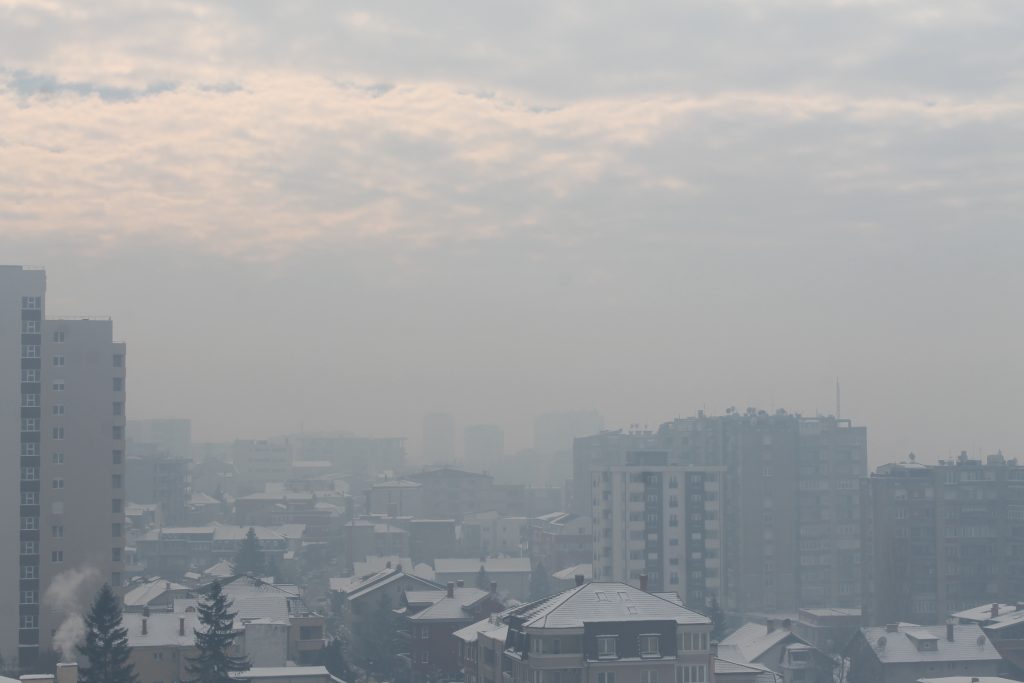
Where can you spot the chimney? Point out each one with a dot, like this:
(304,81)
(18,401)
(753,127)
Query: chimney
(460,583)
(714,648)
(145,624)
(892,628)
(451,589)
(398,566)
(494,587)
(643,582)
(167,585)
(995,610)
(181,626)
(949,632)
(579,579)
(387,565)
(787,624)
(67,672)
(770,625)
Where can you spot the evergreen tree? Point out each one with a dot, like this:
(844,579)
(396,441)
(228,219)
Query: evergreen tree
(333,658)
(213,664)
(483,581)
(105,650)
(378,642)
(249,559)
(718,625)
(540,583)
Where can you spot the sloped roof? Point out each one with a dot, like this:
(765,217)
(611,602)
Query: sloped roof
(1005,620)
(291,673)
(145,593)
(162,628)
(725,667)
(984,612)
(750,641)
(595,602)
(569,573)
(469,634)
(969,644)
(492,565)
(453,608)
(357,587)
(222,569)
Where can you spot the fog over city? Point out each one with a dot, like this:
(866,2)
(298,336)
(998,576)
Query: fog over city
(418,294)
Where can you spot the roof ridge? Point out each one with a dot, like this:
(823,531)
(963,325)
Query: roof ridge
(571,593)
(676,604)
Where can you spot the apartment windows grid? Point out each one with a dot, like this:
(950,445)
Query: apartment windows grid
(58,483)
(606,646)
(693,673)
(58,336)
(56,556)
(58,385)
(649,645)
(57,458)
(58,361)
(57,409)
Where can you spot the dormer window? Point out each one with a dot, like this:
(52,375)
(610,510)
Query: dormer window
(650,645)
(606,647)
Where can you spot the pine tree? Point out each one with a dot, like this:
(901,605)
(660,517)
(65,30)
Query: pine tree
(540,583)
(718,624)
(377,642)
(249,559)
(333,658)
(213,664)
(105,650)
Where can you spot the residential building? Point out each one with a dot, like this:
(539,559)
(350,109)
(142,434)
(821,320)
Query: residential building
(511,574)
(566,578)
(1004,625)
(830,629)
(774,646)
(906,653)
(161,479)
(940,539)
(599,632)
(259,463)
(173,551)
(661,521)
(154,594)
(599,450)
(62,409)
(287,674)
(438,438)
(347,453)
(431,617)
(561,539)
(355,598)
(170,436)
(734,672)
(451,493)
(369,537)
(490,533)
(395,498)
(429,538)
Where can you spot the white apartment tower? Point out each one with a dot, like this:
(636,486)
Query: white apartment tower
(62,407)
(661,520)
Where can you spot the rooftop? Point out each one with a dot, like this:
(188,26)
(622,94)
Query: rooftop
(984,612)
(969,644)
(596,602)
(491,565)
(291,673)
(469,634)
(569,573)
(147,592)
(750,641)
(444,608)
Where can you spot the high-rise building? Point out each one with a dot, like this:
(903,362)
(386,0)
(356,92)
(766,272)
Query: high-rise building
(483,446)
(940,539)
(553,433)
(662,520)
(607,448)
(62,384)
(438,438)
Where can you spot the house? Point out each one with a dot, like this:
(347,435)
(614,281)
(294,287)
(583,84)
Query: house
(512,574)
(561,539)
(431,617)
(774,646)
(355,598)
(154,594)
(830,629)
(451,493)
(487,533)
(1004,626)
(566,578)
(905,653)
(734,672)
(598,632)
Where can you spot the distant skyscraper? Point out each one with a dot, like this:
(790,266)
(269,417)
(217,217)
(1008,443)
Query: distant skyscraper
(438,438)
(62,407)
(169,436)
(940,539)
(482,446)
(554,432)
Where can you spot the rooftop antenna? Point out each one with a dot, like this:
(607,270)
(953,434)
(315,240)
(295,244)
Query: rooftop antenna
(839,412)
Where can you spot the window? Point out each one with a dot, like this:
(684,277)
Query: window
(649,646)
(556,647)
(648,676)
(30,571)
(693,673)
(424,657)
(30,424)
(118,457)
(606,646)
(28,597)
(57,433)
(118,360)
(115,554)
(30,375)
(424,632)
(58,409)
(115,505)
(57,458)
(29,548)
(57,483)
(56,556)
(119,384)
(29,498)
(118,433)
(31,303)
(115,480)
(30,400)
(30,327)
(118,408)
(27,621)
(30,350)
(29,474)
(30,448)
(58,336)
(29,523)
(115,530)
(58,361)
(606,677)
(57,531)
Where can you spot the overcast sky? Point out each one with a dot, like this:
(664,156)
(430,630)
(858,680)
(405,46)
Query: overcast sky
(345,215)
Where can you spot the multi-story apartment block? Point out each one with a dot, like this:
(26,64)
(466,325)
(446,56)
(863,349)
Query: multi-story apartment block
(560,540)
(789,502)
(940,539)
(451,493)
(62,409)
(600,632)
(659,520)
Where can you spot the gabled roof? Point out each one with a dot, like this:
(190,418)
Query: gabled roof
(725,667)
(491,565)
(597,602)
(443,608)
(751,641)
(145,593)
(1005,621)
(569,573)
(470,634)
(969,644)
(984,612)
(355,588)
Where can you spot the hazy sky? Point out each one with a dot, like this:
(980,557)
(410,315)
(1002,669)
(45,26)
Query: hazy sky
(345,215)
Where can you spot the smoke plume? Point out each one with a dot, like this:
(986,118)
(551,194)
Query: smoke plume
(68,596)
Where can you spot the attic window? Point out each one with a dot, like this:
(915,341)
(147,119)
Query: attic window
(601,596)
